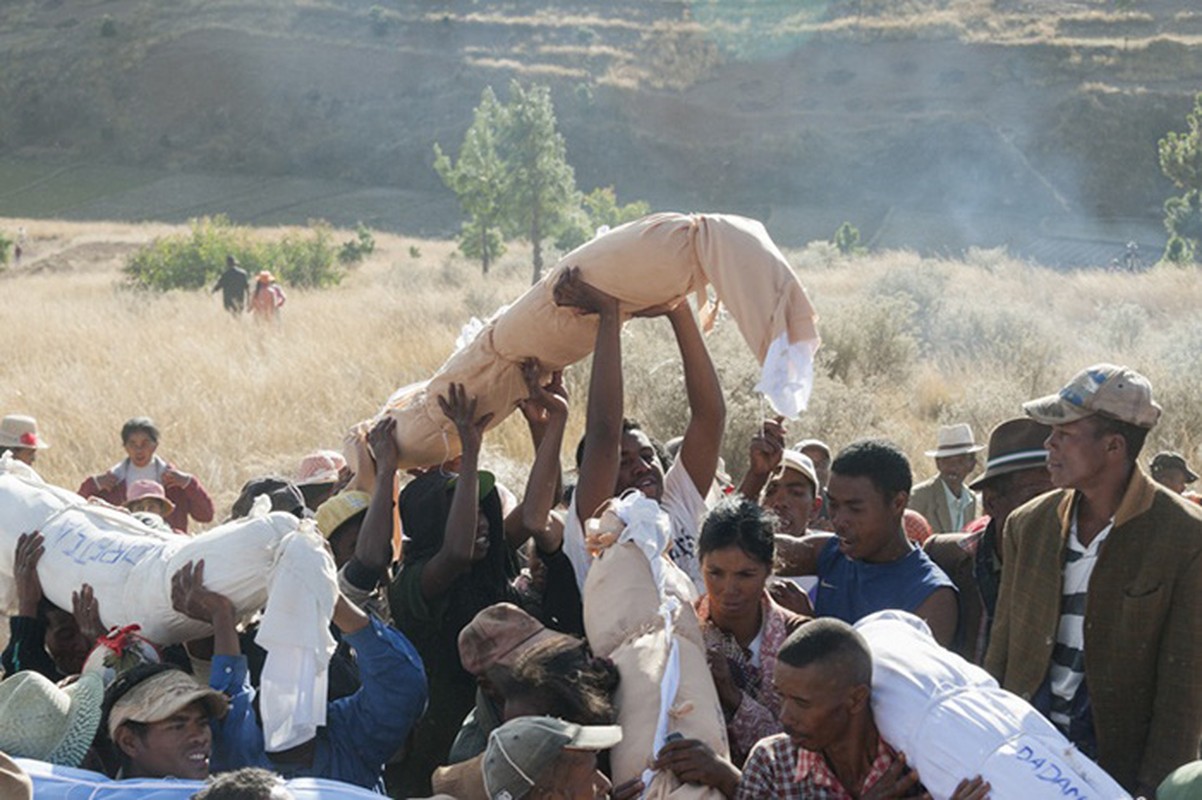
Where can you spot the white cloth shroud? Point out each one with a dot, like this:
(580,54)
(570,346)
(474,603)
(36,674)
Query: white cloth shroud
(130,566)
(953,721)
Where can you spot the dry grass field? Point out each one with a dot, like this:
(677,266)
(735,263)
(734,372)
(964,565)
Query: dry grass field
(909,343)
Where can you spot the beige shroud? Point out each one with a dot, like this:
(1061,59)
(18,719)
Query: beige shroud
(624,603)
(650,261)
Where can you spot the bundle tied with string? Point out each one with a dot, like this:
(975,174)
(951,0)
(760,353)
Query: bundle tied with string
(273,561)
(648,262)
(638,612)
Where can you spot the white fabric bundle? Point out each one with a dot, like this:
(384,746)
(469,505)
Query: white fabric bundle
(653,637)
(52,782)
(953,721)
(129,567)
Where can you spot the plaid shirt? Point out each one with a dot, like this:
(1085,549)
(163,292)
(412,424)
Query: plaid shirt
(779,769)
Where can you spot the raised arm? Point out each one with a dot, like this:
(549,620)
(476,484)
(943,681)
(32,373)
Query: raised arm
(373,549)
(707,409)
(548,405)
(603,417)
(764,454)
(458,542)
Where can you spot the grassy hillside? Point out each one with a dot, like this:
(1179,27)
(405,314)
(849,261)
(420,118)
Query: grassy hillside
(909,343)
(985,119)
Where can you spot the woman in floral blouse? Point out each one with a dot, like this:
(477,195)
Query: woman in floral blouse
(743,626)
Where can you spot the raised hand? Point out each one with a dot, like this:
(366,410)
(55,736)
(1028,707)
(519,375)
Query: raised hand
(461,411)
(382,440)
(174,479)
(545,401)
(766,446)
(571,291)
(25,573)
(86,610)
(896,782)
(190,597)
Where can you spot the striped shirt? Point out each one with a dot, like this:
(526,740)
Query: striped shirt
(1067,670)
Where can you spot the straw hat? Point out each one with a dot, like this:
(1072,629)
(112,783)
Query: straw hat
(17,430)
(955,440)
(55,725)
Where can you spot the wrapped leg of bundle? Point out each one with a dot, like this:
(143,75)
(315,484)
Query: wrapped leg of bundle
(953,721)
(650,261)
(637,613)
(52,782)
(270,560)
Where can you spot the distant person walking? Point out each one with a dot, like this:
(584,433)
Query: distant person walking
(267,298)
(234,284)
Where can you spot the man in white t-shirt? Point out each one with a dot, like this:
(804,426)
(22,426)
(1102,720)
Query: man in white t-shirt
(617,455)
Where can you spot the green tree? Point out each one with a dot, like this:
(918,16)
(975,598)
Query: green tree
(479,178)
(847,240)
(541,191)
(1181,162)
(597,208)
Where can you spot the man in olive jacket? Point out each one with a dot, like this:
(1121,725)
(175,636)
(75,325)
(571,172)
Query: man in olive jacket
(1099,618)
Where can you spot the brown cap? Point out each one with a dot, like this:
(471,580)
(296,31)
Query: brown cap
(498,635)
(1116,392)
(161,695)
(1167,460)
(1014,445)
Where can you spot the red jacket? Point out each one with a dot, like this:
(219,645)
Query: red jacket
(190,501)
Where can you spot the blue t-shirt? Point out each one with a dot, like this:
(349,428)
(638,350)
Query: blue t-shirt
(850,590)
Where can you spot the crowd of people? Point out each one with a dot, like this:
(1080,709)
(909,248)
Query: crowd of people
(1070,568)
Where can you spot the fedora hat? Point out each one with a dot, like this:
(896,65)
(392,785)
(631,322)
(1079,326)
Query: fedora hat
(47,723)
(1014,445)
(954,440)
(17,430)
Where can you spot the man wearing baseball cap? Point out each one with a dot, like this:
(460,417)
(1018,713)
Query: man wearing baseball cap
(1099,616)
(547,757)
(1016,471)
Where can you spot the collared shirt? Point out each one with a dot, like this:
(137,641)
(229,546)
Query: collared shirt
(780,769)
(960,508)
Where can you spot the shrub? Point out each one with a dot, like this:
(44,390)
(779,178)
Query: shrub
(355,250)
(194,260)
(415,251)
(6,245)
(847,240)
(108,27)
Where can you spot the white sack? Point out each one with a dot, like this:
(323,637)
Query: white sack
(953,721)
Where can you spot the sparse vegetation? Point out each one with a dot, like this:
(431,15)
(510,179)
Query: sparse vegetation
(1181,162)
(108,26)
(892,363)
(193,260)
(355,250)
(6,245)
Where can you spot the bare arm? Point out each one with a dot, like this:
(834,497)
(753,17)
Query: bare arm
(543,486)
(707,408)
(373,549)
(798,555)
(455,556)
(603,418)
(941,612)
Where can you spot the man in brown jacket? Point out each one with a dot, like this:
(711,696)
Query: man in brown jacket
(1099,617)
